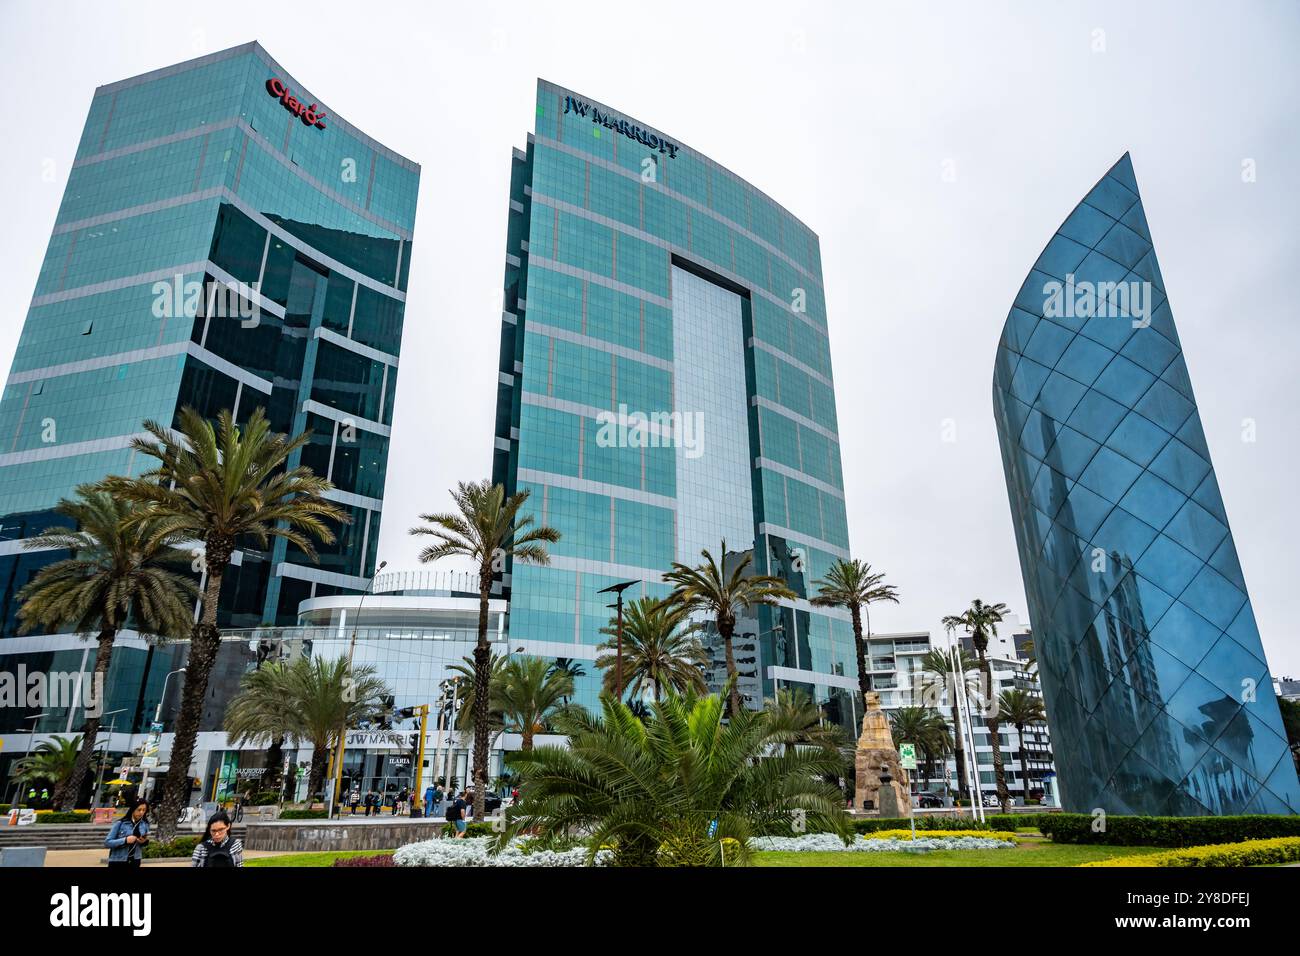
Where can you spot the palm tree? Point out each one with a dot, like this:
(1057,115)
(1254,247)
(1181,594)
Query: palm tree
(926,728)
(574,668)
(118,573)
(53,760)
(793,719)
(262,712)
(937,668)
(1021,709)
(487,528)
(305,701)
(219,485)
(528,692)
(659,649)
(853,585)
(981,621)
(667,791)
(707,588)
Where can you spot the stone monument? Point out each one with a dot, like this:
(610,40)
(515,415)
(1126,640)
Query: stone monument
(876,752)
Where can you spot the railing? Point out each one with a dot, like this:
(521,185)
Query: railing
(344,632)
(439,582)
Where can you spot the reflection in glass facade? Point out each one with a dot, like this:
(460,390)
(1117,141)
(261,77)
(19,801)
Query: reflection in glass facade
(643,280)
(1152,668)
(212,249)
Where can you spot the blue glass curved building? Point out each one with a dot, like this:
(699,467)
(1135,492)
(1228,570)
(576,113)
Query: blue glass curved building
(1155,680)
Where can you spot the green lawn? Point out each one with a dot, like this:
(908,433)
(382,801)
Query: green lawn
(311,859)
(1034,853)
(1028,853)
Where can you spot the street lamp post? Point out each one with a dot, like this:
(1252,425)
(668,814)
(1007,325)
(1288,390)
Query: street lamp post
(157,719)
(451,721)
(31,737)
(337,798)
(108,745)
(617,590)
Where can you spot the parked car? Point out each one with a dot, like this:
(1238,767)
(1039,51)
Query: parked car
(928,801)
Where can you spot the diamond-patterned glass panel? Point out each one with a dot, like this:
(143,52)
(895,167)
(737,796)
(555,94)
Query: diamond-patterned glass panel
(1154,675)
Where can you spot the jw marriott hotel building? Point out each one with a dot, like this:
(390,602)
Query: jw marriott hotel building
(665,384)
(225,241)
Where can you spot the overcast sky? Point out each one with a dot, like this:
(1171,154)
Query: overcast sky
(847,114)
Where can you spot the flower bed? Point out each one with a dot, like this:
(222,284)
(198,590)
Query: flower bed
(828,842)
(1248,853)
(474,852)
(907,834)
(377,859)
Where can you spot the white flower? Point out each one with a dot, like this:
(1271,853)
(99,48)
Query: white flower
(473,851)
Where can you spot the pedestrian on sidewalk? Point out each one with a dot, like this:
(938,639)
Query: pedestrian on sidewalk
(218,848)
(128,837)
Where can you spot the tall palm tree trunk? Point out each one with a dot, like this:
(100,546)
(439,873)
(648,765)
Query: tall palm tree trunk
(1024,763)
(482,680)
(994,726)
(860,645)
(319,761)
(725,628)
(275,764)
(66,793)
(204,644)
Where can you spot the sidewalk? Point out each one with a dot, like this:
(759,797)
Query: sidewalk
(99,858)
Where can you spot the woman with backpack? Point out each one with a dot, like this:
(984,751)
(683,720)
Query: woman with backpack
(127,838)
(456,815)
(218,848)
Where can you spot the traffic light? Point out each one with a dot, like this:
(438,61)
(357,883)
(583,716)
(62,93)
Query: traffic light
(385,718)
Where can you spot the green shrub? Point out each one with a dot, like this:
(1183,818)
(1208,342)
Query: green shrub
(471,830)
(1015,821)
(63,816)
(181,846)
(1165,831)
(303,815)
(1249,853)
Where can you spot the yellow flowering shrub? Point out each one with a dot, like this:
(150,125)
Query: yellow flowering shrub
(1246,853)
(924,834)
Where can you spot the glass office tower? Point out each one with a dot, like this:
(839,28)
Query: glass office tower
(1154,676)
(225,242)
(664,384)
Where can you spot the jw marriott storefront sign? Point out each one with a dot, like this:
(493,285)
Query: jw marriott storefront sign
(639,133)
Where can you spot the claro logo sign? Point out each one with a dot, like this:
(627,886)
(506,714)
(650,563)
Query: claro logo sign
(309,115)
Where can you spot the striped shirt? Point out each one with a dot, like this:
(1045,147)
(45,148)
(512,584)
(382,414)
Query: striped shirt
(200,856)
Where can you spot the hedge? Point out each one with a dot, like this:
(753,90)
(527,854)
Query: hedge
(63,816)
(471,830)
(1249,853)
(1166,831)
(872,824)
(303,815)
(181,846)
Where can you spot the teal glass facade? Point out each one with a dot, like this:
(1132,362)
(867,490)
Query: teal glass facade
(646,283)
(214,249)
(1156,685)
